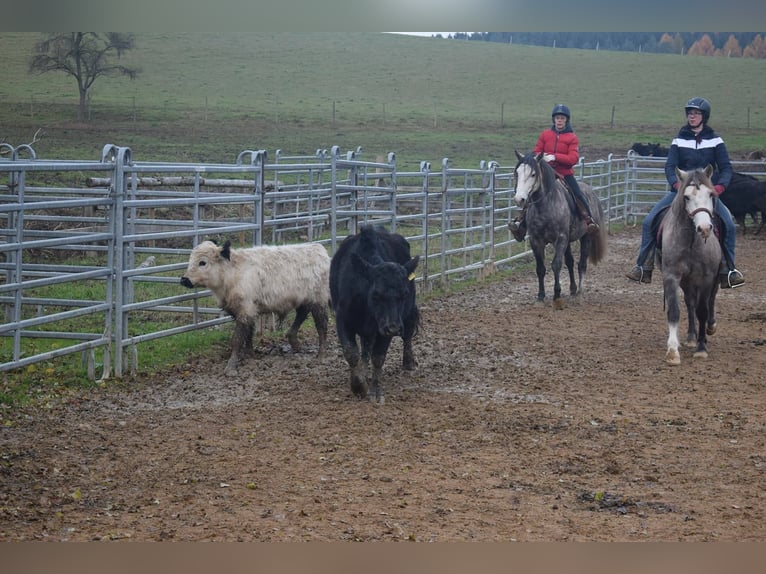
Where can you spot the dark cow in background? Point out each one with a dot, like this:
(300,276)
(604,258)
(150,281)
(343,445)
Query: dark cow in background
(745,195)
(650,149)
(252,281)
(372,287)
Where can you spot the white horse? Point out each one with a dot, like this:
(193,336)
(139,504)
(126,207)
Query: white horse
(689,260)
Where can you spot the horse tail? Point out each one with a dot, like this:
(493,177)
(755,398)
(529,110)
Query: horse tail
(598,240)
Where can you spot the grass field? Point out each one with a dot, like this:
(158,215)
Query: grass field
(205,97)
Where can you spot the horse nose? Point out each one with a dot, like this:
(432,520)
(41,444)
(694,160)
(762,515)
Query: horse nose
(519,201)
(704,230)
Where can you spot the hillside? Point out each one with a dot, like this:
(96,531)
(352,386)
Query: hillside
(208,96)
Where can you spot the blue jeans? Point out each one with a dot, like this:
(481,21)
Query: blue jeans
(648,241)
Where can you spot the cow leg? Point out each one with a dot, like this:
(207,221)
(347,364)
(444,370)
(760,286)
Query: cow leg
(379,353)
(356,366)
(319,314)
(301,312)
(408,356)
(243,336)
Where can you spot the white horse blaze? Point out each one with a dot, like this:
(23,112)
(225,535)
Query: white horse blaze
(699,201)
(525,183)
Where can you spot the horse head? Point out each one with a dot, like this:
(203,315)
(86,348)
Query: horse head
(528,176)
(697,194)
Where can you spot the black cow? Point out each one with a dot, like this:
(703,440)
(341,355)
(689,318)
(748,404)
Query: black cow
(745,195)
(372,289)
(650,149)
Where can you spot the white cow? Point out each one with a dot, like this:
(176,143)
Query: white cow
(251,281)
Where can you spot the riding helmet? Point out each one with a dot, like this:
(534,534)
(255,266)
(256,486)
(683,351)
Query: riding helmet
(700,104)
(561,109)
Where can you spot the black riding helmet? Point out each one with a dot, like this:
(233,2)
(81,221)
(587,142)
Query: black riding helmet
(700,104)
(561,109)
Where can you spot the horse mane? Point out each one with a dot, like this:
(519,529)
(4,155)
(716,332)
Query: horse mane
(548,173)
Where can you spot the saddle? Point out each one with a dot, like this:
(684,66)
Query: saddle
(575,204)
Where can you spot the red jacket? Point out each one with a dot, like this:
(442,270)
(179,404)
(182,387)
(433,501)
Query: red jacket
(564,145)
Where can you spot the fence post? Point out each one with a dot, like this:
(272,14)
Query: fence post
(116,291)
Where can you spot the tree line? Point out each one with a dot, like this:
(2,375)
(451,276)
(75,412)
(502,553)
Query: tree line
(726,44)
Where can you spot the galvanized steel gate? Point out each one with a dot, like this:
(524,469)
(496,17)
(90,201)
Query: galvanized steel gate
(91,251)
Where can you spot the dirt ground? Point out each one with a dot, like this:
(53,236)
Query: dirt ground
(521,423)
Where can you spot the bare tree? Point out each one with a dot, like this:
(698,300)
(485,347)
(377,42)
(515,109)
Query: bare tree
(85,56)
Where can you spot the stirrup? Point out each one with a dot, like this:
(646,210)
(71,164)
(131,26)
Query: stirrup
(732,279)
(639,274)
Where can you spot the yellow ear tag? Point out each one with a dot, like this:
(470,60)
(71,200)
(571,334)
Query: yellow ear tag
(411,276)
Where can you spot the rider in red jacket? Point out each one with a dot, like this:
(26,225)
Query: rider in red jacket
(560,148)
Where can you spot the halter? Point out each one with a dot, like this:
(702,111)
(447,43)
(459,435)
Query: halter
(698,210)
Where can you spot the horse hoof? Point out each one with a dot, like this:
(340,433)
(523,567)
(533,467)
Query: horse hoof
(672,357)
(711,329)
(558,304)
(700,355)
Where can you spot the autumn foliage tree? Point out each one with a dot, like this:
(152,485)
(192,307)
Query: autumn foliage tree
(731,48)
(702,47)
(86,56)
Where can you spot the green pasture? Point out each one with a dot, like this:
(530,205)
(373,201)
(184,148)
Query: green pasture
(205,97)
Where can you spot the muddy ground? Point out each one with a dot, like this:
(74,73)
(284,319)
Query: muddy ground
(521,423)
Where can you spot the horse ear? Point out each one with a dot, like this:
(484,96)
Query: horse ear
(539,157)
(708,170)
(518,155)
(681,175)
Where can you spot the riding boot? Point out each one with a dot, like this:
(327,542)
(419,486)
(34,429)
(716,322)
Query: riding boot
(729,276)
(518,227)
(591,226)
(640,274)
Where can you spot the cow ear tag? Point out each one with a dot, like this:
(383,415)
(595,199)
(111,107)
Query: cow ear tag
(411,276)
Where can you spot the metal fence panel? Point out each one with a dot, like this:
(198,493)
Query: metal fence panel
(92,263)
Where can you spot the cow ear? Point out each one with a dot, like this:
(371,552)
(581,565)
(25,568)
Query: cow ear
(226,250)
(410,267)
(362,266)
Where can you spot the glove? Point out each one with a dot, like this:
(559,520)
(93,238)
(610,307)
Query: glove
(719,189)
(549,157)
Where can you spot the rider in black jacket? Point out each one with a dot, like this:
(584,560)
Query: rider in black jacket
(697,145)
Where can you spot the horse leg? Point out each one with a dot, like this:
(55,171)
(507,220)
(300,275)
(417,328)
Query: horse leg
(712,324)
(672,356)
(569,262)
(582,264)
(556,265)
(691,300)
(540,268)
(702,318)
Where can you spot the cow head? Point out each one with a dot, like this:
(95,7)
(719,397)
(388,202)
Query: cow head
(205,265)
(391,293)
